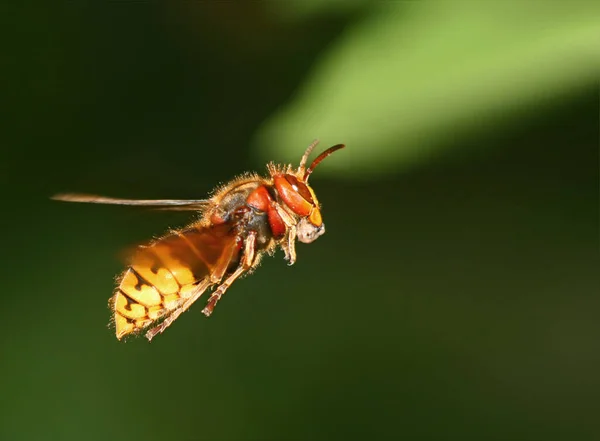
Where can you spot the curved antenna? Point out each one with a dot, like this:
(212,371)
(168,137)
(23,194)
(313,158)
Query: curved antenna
(309,149)
(319,158)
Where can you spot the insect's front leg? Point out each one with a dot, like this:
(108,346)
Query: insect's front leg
(248,259)
(290,246)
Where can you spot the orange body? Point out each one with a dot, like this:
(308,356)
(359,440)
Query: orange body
(245,219)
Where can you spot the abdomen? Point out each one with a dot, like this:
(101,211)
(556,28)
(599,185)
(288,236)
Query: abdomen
(164,274)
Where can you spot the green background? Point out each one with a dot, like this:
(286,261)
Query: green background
(455,293)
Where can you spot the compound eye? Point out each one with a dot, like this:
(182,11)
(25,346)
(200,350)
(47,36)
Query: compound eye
(301,188)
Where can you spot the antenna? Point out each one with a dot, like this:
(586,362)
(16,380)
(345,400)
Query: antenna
(319,158)
(309,149)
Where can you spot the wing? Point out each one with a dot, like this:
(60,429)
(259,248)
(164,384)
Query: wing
(161,204)
(162,276)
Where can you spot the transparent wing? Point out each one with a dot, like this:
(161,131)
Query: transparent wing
(160,204)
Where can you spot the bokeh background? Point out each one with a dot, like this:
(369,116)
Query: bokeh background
(455,294)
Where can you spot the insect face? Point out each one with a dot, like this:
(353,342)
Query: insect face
(307,232)
(299,197)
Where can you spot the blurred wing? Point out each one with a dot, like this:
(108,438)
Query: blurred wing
(161,204)
(162,275)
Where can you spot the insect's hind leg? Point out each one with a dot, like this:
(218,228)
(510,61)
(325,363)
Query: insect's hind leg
(153,332)
(248,259)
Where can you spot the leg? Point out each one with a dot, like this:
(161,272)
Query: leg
(177,312)
(290,248)
(247,261)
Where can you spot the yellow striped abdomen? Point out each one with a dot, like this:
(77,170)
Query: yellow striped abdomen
(169,271)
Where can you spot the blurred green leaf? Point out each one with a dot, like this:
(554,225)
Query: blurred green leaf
(413,75)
